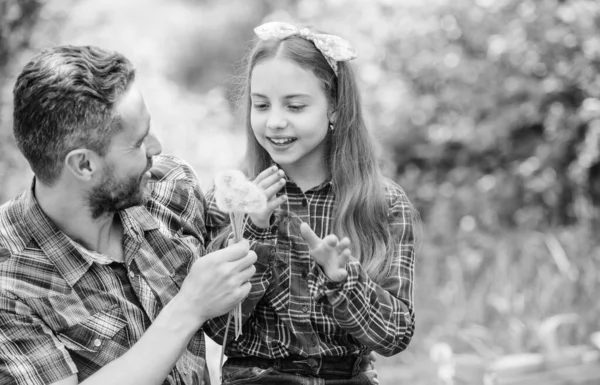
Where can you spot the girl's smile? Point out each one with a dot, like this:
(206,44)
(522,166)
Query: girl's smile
(281,143)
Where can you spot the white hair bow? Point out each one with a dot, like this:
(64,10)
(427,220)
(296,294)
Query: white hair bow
(334,48)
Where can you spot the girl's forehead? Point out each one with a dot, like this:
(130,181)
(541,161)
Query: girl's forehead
(280,73)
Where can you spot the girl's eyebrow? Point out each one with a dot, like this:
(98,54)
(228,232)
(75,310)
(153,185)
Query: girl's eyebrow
(292,96)
(297,96)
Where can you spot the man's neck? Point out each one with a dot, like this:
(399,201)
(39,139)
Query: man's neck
(67,209)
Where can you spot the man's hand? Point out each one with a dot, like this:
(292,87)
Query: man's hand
(329,253)
(270,181)
(219,280)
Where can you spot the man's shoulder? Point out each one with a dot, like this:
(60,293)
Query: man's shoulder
(21,260)
(168,168)
(13,234)
(175,191)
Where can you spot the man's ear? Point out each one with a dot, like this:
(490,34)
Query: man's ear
(82,163)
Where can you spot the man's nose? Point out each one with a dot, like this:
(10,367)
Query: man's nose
(153,146)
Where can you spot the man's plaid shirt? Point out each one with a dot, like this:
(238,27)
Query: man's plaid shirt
(63,311)
(293,308)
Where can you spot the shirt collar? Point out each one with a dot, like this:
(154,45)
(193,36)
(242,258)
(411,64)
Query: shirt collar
(61,250)
(327,183)
(54,243)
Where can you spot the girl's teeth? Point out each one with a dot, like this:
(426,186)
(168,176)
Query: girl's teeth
(281,141)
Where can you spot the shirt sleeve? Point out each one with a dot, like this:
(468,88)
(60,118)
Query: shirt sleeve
(30,354)
(219,230)
(381,316)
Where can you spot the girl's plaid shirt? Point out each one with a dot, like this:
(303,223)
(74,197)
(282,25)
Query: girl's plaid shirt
(62,309)
(293,308)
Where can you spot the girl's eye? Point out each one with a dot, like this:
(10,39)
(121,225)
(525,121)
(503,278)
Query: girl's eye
(296,107)
(260,106)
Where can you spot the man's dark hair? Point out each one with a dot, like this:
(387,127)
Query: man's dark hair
(63,100)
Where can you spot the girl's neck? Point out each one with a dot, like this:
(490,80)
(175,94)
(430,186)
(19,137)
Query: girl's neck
(306,177)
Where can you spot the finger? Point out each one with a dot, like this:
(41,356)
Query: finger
(309,236)
(344,244)
(345,257)
(265,173)
(271,206)
(340,275)
(244,263)
(271,190)
(233,252)
(331,241)
(271,179)
(246,274)
(243,291)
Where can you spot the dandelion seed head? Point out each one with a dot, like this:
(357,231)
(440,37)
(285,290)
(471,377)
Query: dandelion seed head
(235,193)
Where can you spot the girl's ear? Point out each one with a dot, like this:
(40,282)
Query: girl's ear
(332,116)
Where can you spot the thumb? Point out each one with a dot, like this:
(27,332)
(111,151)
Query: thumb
(309,236)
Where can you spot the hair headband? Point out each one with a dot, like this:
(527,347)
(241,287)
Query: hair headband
(333,48)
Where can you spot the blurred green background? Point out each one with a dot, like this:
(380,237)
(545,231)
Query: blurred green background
(487,112)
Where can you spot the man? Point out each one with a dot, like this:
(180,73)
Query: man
(101,280)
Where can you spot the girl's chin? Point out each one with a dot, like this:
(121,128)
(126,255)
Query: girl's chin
(281,160)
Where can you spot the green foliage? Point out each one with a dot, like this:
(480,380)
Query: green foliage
(17,18)
(503,97)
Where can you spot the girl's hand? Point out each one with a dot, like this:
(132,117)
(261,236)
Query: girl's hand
(329,253)
(270,181)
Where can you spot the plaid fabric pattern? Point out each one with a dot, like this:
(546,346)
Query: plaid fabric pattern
(63,311)
(294,308)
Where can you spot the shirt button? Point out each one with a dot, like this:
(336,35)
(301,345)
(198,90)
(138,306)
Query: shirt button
(4,254)
(305,309)
(97,342)
(131,274)
(304,202)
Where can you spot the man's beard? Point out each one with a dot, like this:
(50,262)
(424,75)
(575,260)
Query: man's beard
(111,195)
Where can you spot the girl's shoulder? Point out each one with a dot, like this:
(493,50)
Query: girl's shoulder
(400,209)
(394,194)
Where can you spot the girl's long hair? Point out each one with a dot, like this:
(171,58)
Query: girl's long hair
(361,205)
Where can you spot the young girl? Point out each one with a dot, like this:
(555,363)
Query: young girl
(318,305)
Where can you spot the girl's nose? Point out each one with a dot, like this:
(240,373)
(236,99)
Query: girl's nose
(276,121)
